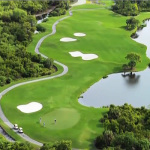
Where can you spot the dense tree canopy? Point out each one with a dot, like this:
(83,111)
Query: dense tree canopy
(59,145)
(5,145)
(32,6)
(131,7)
(126,7)
(62,145)
(125,128)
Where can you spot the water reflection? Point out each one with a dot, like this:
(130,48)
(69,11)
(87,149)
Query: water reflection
(122,88)
(131,79)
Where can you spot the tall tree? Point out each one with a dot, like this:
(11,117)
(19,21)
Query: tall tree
(133,59)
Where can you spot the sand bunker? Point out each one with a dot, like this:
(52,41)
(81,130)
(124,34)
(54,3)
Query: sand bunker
(36,32)
(84,56)
(67,39)
(79,34)
(30,108)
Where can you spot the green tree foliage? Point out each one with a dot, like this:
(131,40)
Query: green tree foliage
(100,142)
(5,145)
(19,63)
(108,137)
(40,28)
(126,7)
(32,6)
(133,59)
(125,128)
(131,7)
(61,7)
(132,23)
(62,145)
(48,63)
(128,141)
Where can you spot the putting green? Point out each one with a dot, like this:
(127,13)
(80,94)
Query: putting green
(65,118)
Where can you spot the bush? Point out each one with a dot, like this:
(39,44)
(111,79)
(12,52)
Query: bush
(58,12)
(62,145)
(45,20)
(132,23)
(100,142)
(8,80)
(53,13)
(48,63)
(40,28)
(2,80)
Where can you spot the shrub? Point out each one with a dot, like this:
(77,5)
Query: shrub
(40,28)
(100,142)
(45,20)
(8,80)
(2,80)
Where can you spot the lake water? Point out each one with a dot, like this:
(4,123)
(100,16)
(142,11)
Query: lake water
(117,89)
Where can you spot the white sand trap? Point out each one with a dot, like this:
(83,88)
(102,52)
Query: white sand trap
(84,56)
(36,32)
(67,39)
(79,34)
(30,108)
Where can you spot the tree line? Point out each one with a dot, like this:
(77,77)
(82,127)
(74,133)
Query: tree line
(126,127)
(32,6)
(131,7)
(58,145)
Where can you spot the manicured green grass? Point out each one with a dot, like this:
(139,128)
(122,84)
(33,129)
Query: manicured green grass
(48,26)
(65,118)
(106,37)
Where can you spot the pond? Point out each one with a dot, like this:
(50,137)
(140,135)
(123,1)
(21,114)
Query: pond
(118,89)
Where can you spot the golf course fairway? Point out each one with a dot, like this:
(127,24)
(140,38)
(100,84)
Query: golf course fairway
(107,38)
